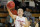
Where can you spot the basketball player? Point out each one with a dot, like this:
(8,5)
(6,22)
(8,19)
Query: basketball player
(20,21)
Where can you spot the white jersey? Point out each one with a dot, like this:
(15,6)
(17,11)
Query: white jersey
(18,20)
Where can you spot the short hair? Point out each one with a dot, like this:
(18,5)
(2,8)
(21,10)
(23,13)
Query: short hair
(20,8)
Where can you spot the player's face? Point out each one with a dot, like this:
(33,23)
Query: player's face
(20,12)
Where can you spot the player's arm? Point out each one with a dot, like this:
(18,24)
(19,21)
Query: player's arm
(37,25)
(13,16)
(26,22)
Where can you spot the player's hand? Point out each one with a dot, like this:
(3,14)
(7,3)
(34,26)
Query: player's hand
(21,23)
(8,9)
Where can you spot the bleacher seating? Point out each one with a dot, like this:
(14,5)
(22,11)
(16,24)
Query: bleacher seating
(3,15)
(36,15)
(3,20)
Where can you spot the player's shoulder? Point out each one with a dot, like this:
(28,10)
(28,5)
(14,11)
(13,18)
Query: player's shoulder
(17,16)
(25,17)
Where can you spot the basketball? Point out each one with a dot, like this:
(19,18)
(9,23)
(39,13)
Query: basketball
(14,12)
(11,5)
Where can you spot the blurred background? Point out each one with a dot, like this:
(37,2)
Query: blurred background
(31,11)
